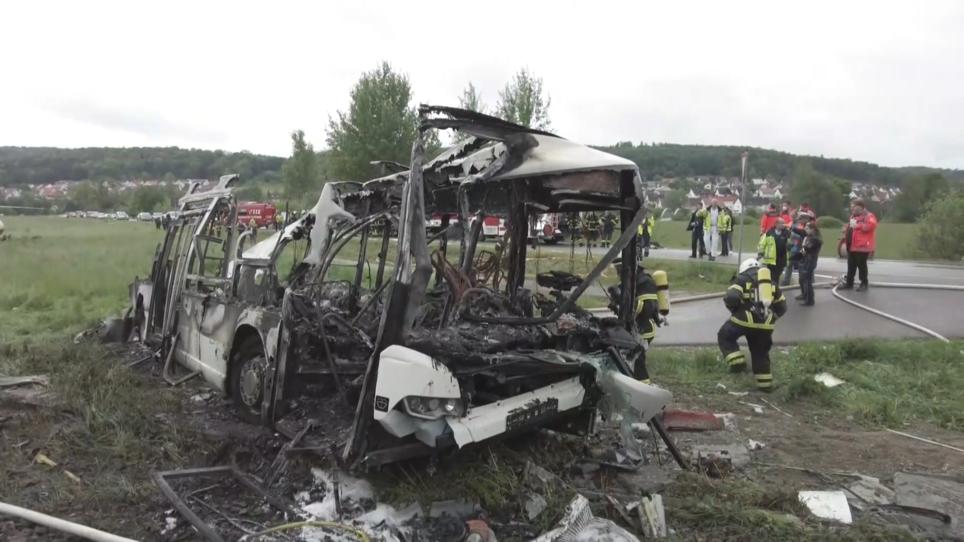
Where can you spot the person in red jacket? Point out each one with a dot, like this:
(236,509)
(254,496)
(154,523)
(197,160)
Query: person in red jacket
(787,212)
(861,239)
(769,219)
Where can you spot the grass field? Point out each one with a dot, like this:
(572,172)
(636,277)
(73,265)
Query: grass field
(894,241)
(59,275)
(890,383)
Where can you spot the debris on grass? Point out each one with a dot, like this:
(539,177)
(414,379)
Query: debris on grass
(756,408)
(652,516)
(942,495)
(828,380)
(830,505)
(718,460)
(754,445)
(578,523)
(688,420)
(869,490)
(728,418)
(535,505)
(14,381)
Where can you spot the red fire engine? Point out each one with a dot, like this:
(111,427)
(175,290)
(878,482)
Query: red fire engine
(262,213)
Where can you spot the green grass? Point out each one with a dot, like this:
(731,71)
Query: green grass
(889,383)
(684,276)
(740,509)
(107,425)
(59,275)
(894,241)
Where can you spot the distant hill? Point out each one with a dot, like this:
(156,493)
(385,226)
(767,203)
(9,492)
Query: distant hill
(25,165)
(672,160)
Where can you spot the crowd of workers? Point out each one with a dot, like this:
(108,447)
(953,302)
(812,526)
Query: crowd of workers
(790,240)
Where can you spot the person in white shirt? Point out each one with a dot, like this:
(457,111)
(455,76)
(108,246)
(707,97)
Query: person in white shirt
(711,228)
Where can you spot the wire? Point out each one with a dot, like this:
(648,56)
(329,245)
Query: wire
(312,523)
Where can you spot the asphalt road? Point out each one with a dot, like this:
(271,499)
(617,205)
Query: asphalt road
(830,319)
(880,270)
(942,311)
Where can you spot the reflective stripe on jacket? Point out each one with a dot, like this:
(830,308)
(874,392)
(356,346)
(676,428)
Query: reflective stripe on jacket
(745,311)
(726,223)
(648,224)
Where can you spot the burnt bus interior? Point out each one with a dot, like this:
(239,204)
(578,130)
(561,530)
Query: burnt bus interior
(370,276)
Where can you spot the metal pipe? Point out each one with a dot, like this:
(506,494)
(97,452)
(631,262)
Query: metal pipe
(61,525)
(383,253)
(743,157)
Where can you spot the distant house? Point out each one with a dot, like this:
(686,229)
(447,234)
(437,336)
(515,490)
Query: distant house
(769,193)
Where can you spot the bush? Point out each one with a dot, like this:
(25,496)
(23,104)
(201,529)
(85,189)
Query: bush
(940,230)
(752,213)
(824,222)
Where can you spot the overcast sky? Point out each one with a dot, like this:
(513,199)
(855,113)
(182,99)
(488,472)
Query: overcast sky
(877,81)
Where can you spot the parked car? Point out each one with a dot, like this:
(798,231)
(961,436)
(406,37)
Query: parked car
(121,215)
(423,364)
(145,217)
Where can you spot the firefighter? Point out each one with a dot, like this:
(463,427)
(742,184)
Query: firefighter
(651,309)
(590,228)
(644,234)
(608,225)
(755,303)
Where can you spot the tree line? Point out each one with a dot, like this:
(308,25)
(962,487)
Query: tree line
(35,165)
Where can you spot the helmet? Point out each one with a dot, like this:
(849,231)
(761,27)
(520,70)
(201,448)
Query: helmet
(749,263)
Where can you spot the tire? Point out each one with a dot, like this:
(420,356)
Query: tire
(246,384)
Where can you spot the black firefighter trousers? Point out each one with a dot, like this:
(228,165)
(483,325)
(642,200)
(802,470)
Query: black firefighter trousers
(759,340)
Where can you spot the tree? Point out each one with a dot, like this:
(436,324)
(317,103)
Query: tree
(940,230)
(675,199)
(823,194)
(917,193)
(471,100)
(380,124)
(522,101)
(148,198)
(300,172)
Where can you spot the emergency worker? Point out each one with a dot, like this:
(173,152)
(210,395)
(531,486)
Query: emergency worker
(590,228)
(644,234)
(726,231)
(755,303)
(772,249)
(649,309)
(608,226)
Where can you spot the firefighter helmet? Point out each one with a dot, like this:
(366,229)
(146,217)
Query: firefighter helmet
(749,263)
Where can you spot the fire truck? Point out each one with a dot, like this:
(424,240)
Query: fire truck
(262,213)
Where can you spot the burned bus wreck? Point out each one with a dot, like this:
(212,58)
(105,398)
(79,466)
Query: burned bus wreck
(435,341)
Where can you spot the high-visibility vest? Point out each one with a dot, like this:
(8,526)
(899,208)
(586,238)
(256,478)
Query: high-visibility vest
(726,222)
(648,224)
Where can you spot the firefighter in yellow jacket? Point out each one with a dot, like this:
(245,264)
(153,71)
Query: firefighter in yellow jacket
(644,235)
(651,309)
(755,303)
(726,231)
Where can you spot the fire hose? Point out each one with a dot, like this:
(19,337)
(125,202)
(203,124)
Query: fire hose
(833,288)
(61,525)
